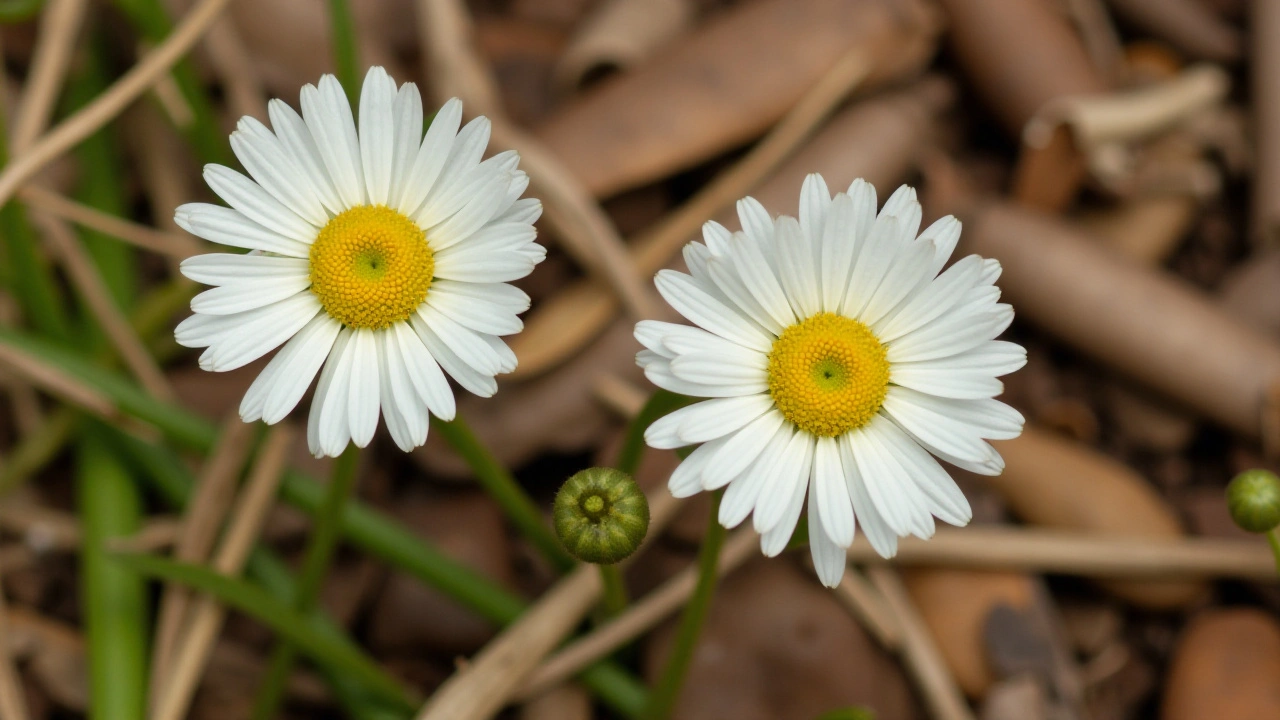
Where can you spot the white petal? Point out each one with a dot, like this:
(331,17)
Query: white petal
(266,159)
(296,138)
(878,532)
(945,499)
(466,344)
(406,111)
(778,490)
(482,205)
(828,556)
(945,233)
(723,272)
(365,388)
(232,299)
(658,371)
(774,540)
(797,268)
(328,116)
(474,306)
(873,259)
(837,251)
(427,378)
(433,152)
(832,495)
(257,204)
(757,224)
(685,480)
(906,272)
(742,448)
(324,390)
(233,269)
(257,332)
(334,428)
(815,199)
(705,421)
(298,362)
(938,297)
(377,134)
(864,207)
(903,506)
(741,495)
(722,369)
(957,332)
(404,410)
(228,227)
(461,174)
(474,381)
(690,300)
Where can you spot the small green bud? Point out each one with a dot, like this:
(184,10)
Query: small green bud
(1253,498)
(601,515)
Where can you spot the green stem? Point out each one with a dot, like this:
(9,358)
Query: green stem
(114,596)
(662,698)
(345,53)
(1274,541)
(315,564)
(615,591)
(504,489)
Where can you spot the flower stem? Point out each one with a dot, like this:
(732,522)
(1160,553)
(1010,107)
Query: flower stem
(504,489)
(315,564)
(345,52)
(615,591)
(114,596)
(663,697)
(1274,540)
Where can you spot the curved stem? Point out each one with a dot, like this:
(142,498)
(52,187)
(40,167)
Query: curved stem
(315,564)
(663,697)
(505,491)
(346,56)
(615,591)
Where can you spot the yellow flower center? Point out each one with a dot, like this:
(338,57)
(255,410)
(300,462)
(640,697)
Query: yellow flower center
(828,374)
(371,267)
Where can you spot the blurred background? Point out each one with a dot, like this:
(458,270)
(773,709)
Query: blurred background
(1121,158)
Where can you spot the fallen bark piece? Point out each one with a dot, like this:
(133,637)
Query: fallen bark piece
(1139,320)
(1227,665)
(1058,483)
(955,605)
(726,84)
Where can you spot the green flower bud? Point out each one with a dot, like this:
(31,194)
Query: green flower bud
(601,515)
(1253,498)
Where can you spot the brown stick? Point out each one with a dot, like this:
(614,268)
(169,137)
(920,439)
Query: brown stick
(1056,551)
(574,316)
(1265,27)
(59,27)
(1134,318)
(636,620)
(868,607)
(111,102)
(206,616)
(214,491)
(13,703)
(172,245)
(88,282)
(919,652)
(57,383)
(586,231)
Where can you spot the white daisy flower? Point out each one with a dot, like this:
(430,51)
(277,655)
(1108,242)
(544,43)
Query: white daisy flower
(838,359)
(379,253)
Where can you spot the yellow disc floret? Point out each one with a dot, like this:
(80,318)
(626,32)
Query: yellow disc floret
(828,374)
(371,267)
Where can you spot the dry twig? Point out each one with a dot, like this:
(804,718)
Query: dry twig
(111,102)
(88,282)
(584,228)
(13,704)
(174,245)
(206,615)
(59,27)
(209,504)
